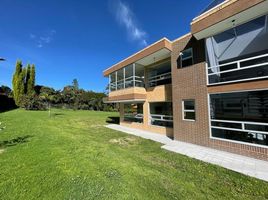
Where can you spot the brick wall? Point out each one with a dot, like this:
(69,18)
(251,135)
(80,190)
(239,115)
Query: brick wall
(190,83)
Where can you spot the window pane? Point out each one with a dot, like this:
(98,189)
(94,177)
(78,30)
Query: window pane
(256,127)
(139,75)
(159,74)
(189,115)
(133,112)
(189,105)
(187,62)
(227,125)
(256,72)
(186,54)
(249,137)
(187,57)
(246,107)
(129,76)
(240,106)
(120,79)
(113,81)
(161,114)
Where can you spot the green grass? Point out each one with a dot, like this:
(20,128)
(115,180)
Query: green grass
(73,156)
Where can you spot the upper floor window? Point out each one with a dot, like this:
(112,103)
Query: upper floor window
(239,54)
(159,74)
(129,76)
(187,57)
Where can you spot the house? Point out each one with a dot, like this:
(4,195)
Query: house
(208,87)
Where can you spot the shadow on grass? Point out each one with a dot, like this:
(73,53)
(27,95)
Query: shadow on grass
(15,141)
(113,120)
(57,114)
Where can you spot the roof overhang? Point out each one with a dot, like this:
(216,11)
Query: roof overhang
(231,13)
(124,101)
(153,53)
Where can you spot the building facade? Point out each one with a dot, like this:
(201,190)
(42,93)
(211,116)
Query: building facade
(208,87)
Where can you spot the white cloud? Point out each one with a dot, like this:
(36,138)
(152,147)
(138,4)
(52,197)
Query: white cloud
(43,39)
(126,18)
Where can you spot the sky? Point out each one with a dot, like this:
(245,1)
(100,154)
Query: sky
(68,39)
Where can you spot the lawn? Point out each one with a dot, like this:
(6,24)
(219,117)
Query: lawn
(71,155)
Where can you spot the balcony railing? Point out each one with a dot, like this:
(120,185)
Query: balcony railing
(129,117)
(162,120)
(160,79)
(241,70)
(132,81)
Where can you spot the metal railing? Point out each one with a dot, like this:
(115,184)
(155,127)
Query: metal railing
(247,63)
(132,81)
(161,120)
(167,118)
(133,117)
(153,81)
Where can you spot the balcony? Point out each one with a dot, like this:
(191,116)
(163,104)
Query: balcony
(239,53)
(130,79)
(223,15)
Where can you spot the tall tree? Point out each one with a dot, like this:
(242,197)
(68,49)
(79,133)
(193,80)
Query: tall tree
(15,81)
(27,80)
(75,84)
(30,83)
(21,86)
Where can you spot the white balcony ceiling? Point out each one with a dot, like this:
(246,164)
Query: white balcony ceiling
(240,18)
(154,57)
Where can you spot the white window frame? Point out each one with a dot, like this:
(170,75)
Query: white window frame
(192,57)
(227,140)
(186,110)
(238,68)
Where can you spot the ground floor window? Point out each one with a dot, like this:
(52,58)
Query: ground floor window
(133,112)
(240,116)
(188,107)
(161,114)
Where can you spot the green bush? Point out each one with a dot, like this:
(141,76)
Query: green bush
(33,102)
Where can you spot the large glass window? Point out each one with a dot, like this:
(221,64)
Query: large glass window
(139,75)
(133,112)
(129,81)
(159,74)
(161,114)
(113,81)
(238,54)
(129,76)
(240,116)
(120,79)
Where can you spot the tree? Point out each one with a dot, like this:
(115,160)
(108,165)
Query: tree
(28,74)
(75,84)
(49,96)
(21,86)
(5,90)
(31,79)
(15,81)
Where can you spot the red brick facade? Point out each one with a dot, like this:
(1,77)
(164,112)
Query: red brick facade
(190,83)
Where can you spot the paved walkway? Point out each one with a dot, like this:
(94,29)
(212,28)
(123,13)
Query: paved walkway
(242,164)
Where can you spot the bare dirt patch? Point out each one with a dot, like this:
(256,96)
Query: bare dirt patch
(124,141)
(2,151)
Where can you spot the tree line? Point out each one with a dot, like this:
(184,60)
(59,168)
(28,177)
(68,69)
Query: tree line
(37,97)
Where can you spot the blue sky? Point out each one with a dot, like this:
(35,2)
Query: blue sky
(69,39)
